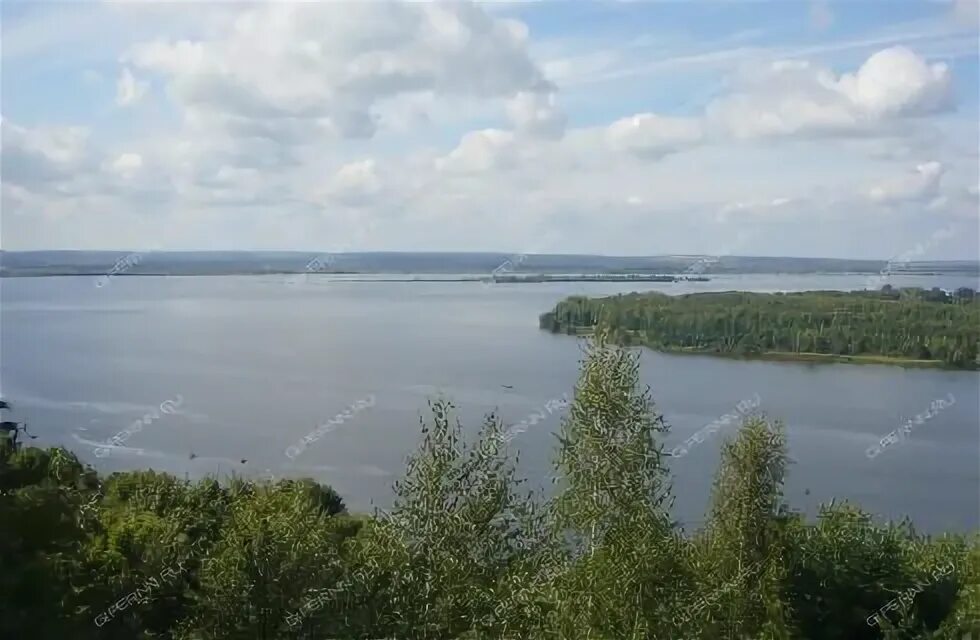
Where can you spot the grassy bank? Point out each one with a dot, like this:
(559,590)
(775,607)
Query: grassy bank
(823,358)
(785,356)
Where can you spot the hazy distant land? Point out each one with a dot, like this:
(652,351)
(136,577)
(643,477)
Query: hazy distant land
(491,266)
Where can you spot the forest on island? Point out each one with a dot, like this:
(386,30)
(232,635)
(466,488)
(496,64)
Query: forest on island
(909,324)
(466,551)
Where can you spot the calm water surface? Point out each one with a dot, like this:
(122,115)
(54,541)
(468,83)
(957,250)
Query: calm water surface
(260,362)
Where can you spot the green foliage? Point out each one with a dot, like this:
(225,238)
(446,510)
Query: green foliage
(275,551)
(613,506)
(465,554)
(914,324)
(743,539)
(460,531)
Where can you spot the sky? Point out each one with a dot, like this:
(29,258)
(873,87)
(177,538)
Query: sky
(726,127)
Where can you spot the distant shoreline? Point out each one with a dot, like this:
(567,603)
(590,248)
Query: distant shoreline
(478,277)
(463,266)
(530,278)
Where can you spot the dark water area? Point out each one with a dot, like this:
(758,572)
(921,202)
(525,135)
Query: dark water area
(258,362)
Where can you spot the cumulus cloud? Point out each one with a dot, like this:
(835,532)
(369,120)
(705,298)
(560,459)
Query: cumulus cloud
(62,173)
(652,136)
(465,143)
(757,207)
(355,183)
(126,164)
(129,90)
(331,63)
(919,185)
(784,98)
(480,151)
(896,81)
(42,155)
(797,97)
(536,113)
(787,98)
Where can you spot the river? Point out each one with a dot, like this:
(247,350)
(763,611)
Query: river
(254,363)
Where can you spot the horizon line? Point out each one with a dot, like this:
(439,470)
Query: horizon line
(494,253)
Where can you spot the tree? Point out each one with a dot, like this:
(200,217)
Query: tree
(965,294)
(41,493)
(273,557)
(612,511)
(743,540)
(460,542)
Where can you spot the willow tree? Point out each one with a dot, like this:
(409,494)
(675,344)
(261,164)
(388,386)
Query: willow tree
(611,511)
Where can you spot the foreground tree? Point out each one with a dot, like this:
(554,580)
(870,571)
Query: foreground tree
(744,563)
(41,495)
(611,512)
(276,554)
(454,550)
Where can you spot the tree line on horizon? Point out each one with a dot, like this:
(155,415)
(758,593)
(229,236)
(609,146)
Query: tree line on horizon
(467,552)
(914,324)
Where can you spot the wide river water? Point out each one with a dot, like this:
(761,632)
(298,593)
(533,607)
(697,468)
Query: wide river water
(257,362)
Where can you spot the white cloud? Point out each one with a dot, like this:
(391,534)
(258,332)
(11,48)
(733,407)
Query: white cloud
(536,113)
(896,81)
(127,164)
(797,97)
(355,183)
(915,186)
(652,136)
(333,62)
(464,142)
(779,205)
(480,151)
(39,155)
(792,98)
(956,200)
(581,68)
(129,90)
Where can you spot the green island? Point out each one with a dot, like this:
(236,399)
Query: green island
(466,552)
(909,327)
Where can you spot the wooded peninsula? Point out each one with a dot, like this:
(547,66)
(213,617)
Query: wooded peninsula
(912,327)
